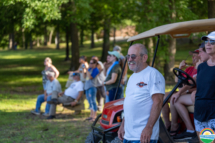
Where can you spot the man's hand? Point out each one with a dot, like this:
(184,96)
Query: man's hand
(45,97)
(122,82)
(175,97)
(121,132)
(73,103)
(146,135)
(60,94)
(182,64)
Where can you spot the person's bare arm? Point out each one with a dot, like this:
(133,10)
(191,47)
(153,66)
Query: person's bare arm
(55,71)
(112,80)
(179,93)
(121,130)
(154,115)
(78,98)
(124,73)
(89,75)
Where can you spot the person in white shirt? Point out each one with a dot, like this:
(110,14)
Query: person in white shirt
(51,85)
(143,102)
(71,95)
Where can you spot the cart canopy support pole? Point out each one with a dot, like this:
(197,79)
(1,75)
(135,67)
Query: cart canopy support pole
(121,74)
(156,50)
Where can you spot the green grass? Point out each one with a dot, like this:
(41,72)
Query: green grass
(20,84)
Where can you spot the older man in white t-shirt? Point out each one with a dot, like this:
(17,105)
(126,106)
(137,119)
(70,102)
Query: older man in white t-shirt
(143,102)
(71,95)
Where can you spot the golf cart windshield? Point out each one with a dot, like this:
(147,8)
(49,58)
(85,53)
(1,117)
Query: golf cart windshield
(178,30)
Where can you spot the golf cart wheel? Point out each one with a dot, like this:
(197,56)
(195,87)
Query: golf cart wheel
(89,138)
(116,140)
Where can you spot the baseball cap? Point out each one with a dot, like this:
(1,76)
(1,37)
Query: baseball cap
(75,74)
(115,53)
(52,74)
(194,52)
(117,48)
(211,36)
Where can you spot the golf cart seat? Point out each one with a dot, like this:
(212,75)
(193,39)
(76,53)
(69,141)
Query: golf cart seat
(190,109)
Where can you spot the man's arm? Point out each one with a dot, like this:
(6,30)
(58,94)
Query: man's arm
(78,98)
(154,114)
(121,130)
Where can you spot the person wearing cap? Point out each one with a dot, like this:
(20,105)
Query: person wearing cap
(204,112)
(124,76)
(113,76)
(186,100)
(173,126)
(70,96)
(90,88)
(52,85)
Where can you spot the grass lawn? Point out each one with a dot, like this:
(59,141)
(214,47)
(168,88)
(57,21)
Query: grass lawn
(20,84)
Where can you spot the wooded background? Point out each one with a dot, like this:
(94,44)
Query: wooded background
(31,23)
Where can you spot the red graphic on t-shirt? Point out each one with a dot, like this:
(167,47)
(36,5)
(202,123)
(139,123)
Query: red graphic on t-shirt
(141,84)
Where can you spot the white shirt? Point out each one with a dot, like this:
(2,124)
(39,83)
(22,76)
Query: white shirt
(138,102)
(74,89)
(53,86)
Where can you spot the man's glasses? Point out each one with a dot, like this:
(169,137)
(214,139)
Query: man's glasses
(132,56)
(212,42)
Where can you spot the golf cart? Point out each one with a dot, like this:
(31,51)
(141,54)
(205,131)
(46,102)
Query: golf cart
(112,114)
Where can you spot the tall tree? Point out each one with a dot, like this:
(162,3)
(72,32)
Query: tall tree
(211,8)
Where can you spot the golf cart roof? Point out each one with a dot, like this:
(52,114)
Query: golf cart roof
(179,29)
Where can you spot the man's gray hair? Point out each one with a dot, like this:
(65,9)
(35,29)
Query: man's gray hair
(143,49)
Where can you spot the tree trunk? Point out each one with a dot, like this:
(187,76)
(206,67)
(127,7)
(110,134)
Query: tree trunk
(45,36)
(169,64)
(106,40)
(38,42)
(23,38)
(67,44)
(92,45)
(50,37)
(82,37)
(30,41)
(74,47)
(150,50)
(10,41)
(114,36)
(57,38)
(211,8)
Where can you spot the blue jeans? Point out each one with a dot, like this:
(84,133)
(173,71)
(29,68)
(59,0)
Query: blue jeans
(138,141)
(91,97)
(112,93)
(40,100)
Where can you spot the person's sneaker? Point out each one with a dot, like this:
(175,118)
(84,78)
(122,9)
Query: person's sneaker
(185,135)
(51,117)
(35,113)
(46,114)
(53,101)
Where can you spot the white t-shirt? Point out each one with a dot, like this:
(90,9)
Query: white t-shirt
(53,86)
(138,102)
(74,89)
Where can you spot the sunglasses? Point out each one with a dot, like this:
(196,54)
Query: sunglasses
(212,42)
(92,63)
(132,56)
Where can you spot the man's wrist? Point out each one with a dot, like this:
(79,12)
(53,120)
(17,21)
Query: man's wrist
(104,83)
(76,101)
